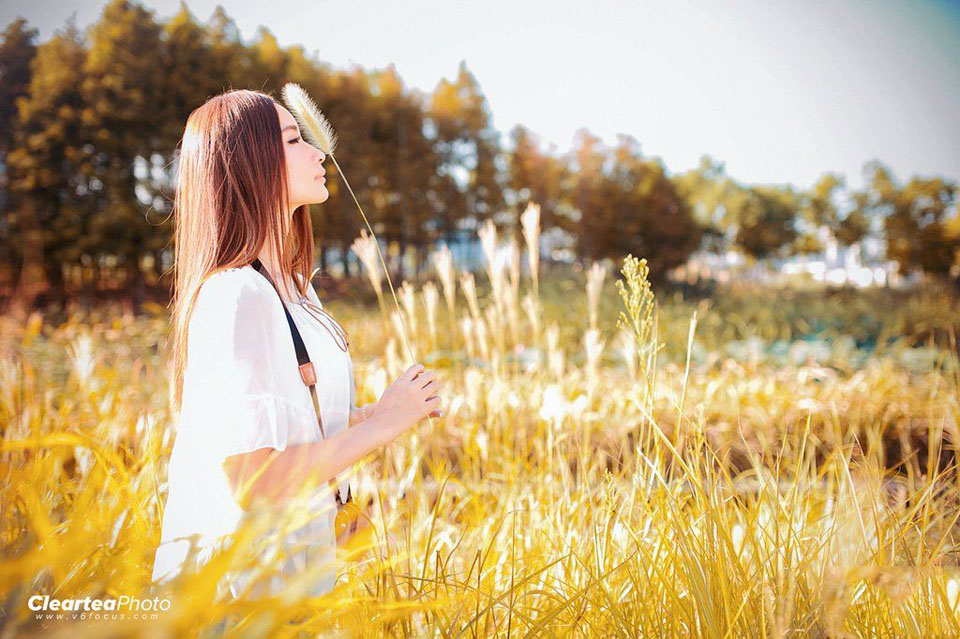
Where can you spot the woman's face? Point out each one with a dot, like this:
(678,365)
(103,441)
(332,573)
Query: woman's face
(305,175)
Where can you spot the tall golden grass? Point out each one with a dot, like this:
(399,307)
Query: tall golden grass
(683,481)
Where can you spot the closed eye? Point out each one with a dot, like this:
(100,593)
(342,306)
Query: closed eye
(294,140)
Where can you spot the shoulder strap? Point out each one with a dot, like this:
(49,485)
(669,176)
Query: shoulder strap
(307,371)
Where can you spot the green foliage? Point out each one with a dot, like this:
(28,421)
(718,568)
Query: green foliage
(706,189)
(17,50)
(765,219)
(916,218)
(50,165)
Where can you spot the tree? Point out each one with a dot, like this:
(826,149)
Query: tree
(588,193)
(228,56)
(47,165)
(706,189)
(629,205)
(855,225)
(191,71)
(915,219)
(818,210)
(765,219)
(407,164)
(268,62)
(652,218)
(123,93)
(537,176)
(468,147)
(17,52)
(346,99)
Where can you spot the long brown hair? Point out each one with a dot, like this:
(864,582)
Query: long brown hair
(230,199)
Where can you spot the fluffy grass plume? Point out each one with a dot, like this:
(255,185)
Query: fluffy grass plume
(322,133)
(311,119)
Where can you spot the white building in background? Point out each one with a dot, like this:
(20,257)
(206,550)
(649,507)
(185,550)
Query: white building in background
(558,245)
(861,264)
(707,265)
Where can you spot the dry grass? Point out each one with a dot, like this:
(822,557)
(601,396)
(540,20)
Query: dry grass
(591,477)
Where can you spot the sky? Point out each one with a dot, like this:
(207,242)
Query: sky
(780,92)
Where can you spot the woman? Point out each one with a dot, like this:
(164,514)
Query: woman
(247,435)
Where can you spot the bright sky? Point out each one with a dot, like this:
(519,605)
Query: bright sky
(779,91)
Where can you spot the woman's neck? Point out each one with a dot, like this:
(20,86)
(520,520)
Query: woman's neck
(271,264)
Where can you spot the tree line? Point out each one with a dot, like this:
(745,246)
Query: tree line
(90,122)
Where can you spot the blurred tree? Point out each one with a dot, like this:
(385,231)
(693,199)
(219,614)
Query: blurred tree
(346,99)
(89,132)
(818,204)
(706,189)
(268,63)
(17,52)
(48,167)
(228,55)
(765,220)
(629,205)
(407,164)
(915,219)
(191,71)
(818,210)
(468,147)
(539,177)
(191,75)
(653,220)
(855,226)
(588,194)
(123,92)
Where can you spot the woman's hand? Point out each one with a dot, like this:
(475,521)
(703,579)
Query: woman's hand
(410,398)
(367,411)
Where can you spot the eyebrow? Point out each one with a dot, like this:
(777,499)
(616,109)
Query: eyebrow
(290,126)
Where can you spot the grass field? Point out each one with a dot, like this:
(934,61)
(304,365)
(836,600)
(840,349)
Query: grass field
(737,462)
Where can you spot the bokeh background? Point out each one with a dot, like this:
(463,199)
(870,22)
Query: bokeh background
(694,133)
(689,272)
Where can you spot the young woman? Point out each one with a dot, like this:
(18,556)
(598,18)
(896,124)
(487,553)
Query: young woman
(247,434)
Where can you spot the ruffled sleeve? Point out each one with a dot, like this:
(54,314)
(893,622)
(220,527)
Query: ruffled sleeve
(239,368)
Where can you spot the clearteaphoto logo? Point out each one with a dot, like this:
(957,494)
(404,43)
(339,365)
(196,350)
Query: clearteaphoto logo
(113,608)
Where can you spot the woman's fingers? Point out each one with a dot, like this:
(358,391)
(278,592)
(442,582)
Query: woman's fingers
(413,371)
(426,378)
(427,382)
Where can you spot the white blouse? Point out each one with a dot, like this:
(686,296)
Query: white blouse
(242,391)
